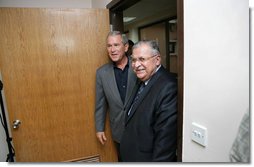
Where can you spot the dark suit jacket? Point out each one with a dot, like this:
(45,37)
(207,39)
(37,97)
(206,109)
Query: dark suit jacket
(108,99)
(151,128)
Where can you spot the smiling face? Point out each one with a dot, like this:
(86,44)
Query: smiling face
(116,48)
(144,62)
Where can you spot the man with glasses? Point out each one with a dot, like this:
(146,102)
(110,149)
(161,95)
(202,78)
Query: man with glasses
(151,114)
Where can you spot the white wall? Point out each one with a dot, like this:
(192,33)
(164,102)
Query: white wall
(100,3)
(251,4)
(133,34)
(216,74)
(3,144)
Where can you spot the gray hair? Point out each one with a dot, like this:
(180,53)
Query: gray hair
(114,33)
(151,43)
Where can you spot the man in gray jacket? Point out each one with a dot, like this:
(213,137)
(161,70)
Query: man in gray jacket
(114,84)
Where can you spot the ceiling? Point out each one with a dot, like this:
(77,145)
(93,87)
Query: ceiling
(146,9)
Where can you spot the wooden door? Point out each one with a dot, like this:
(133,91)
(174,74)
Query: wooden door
(48,60)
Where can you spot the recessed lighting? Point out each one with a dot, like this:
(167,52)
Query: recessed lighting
(128,19)
(173,21)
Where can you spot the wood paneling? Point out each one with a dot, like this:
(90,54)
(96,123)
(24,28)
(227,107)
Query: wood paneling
(48,60)
(156,32)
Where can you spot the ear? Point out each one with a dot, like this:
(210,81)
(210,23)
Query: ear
(126,47)
(158,60)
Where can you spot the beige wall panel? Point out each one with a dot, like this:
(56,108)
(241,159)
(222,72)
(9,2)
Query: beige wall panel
(156,32)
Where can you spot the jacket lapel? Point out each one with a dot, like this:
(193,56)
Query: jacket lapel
(132,81)
(111,81)
(143,94)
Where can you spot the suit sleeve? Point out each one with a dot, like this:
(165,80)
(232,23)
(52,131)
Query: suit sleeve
(165,126)
(100,104)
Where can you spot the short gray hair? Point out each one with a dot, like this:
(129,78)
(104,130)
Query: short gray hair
(114,33)
(151,43)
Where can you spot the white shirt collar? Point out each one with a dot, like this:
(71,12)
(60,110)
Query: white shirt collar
(146,82)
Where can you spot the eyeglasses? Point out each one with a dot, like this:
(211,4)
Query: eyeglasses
(141,59)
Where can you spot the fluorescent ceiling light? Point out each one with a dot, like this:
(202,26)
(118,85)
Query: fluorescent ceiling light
(173,21)
(128,19)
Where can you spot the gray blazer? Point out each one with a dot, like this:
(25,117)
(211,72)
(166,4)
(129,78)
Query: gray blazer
(108,99)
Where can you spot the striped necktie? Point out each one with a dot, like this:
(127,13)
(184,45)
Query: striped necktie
(141,88)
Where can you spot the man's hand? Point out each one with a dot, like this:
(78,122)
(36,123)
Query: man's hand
(101,137)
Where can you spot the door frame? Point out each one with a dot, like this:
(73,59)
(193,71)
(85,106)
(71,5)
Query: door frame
(116,8)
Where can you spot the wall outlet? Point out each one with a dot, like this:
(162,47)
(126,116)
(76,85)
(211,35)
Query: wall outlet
(199,134)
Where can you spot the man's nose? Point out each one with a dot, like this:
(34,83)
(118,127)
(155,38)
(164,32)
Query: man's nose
(113,48)
(137,64)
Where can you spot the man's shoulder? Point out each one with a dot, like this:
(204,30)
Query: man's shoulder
(169,76)
(105,67)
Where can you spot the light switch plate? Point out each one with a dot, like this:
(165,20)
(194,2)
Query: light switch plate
(199,134)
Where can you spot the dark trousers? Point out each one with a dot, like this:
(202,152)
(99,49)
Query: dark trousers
(118,151)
